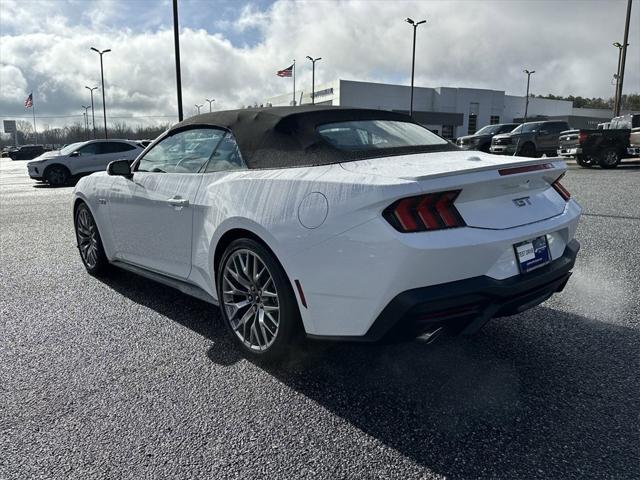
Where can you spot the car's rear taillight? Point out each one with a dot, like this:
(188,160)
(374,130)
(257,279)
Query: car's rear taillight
(558,187)
(433,211)
(582,137)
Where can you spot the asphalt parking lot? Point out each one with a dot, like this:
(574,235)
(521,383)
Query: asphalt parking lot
(124,378)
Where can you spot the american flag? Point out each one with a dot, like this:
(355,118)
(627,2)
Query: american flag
(286,72)
(28,103)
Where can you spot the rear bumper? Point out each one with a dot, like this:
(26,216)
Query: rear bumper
(465,306)
(569,152)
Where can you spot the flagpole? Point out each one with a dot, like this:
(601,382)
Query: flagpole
(294,82)
(33,107)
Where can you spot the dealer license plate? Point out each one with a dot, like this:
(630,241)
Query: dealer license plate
(532,254)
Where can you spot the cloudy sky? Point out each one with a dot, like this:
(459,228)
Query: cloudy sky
(231,49)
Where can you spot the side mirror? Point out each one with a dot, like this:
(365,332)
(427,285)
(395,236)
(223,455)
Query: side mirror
(74,154)
(120,167)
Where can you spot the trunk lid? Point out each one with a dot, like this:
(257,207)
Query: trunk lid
(497,192)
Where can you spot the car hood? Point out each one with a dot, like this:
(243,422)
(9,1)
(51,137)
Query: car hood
(46,156)
(469,137)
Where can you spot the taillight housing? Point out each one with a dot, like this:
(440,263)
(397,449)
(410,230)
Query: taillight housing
(562,191)
(582,137)
(433,211)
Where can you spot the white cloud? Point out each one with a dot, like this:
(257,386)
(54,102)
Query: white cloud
(466,43)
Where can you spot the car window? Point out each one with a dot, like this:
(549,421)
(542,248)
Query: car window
(183,152)
(362,135)
(90,149)
(115,147)
(226,156)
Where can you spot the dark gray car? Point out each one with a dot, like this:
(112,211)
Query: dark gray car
(481,140)
(531,139)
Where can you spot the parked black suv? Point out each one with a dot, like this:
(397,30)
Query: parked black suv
(481,140)
(530,139)
(604,147)
(27,152)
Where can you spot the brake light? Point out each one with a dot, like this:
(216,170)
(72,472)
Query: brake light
(433,211)
(562,191)
(582,137)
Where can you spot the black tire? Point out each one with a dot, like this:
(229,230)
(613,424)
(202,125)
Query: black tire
(609,158)
(287,331)
(96,263)
(528,150)
(57,175)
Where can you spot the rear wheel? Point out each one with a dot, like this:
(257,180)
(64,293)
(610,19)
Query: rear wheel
(257,302)
(609,158)
(528,150)
(57,175)
(89,241)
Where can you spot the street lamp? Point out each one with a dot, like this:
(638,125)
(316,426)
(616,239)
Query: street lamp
(210,102)
(104,106)
(198,108)
(86,120)
(526,105)
(93,116)
(313,78)
(619,46)
(413,58)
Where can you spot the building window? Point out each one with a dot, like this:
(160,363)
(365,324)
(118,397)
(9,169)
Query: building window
(494,119)
(473,124)
(474,109)
(447,132)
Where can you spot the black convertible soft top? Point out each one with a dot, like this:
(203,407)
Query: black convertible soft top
(283,137)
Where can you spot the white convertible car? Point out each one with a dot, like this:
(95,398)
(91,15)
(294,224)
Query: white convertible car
(334,222)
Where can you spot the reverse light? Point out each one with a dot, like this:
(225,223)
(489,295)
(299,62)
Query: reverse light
(562,191)
(433,211)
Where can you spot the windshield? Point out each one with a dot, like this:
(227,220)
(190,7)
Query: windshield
(363,135)
(71,148)
(526,128)
(489,130)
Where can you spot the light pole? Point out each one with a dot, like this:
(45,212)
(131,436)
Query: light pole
(93,116)
(313,78)
(210,102)
(198,107)
(104,106)
(618,45)
(623,61)
(85,114)
(413,57)
(526,105)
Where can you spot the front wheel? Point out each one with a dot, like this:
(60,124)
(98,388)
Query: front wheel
(610,158)
(89,241)
(257,302)
(528,150)
(57,176)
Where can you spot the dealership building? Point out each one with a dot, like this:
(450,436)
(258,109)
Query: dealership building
(451,112)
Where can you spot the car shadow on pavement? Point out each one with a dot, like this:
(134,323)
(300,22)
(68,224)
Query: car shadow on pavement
(546,394)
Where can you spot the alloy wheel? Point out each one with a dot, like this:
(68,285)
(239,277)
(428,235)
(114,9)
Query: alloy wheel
(250,299)
(56,176)
(87,237)
(610,158)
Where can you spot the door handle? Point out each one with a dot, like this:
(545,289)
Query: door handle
(178,202)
